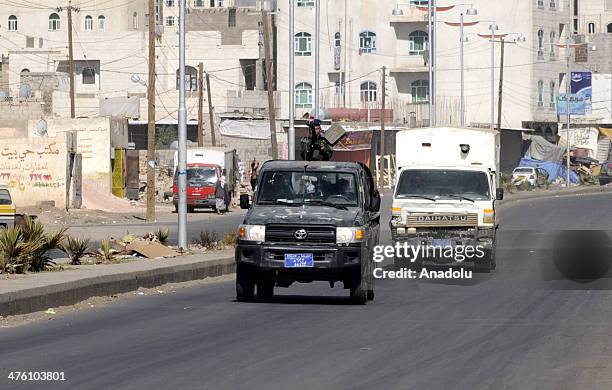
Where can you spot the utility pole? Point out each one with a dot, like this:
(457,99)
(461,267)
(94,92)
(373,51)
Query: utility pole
(291,131)
(151,117)
(200,104)
(462,108)
(70,59)
(317,57)
(270,83)
(501,86)
(568,80)
(211,114)
(383,84)
(429,61)
(182,135)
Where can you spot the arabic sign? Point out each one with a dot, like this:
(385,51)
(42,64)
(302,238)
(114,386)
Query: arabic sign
(581,84)
(576,103)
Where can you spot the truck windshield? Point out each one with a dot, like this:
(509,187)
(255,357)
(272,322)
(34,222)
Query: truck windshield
(438,183)
(206,175)
(5,197)
(316,187)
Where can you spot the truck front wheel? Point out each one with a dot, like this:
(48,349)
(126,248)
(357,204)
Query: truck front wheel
(245,284)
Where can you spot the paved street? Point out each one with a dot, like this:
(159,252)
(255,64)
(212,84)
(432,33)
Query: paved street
(512,329)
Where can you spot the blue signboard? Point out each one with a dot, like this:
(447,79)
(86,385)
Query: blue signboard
(576,102)
(581,84)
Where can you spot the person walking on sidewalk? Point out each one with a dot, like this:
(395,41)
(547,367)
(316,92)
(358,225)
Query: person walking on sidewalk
(220,204)
(254,167)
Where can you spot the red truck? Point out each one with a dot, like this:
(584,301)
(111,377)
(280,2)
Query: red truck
(201,180)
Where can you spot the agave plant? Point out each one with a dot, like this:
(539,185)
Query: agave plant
(162,236)
(208,239)
(14,251)
(75,248)
(108,253)
(41,244)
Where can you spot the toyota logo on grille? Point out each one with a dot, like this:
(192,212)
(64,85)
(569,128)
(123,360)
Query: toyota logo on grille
(300,234)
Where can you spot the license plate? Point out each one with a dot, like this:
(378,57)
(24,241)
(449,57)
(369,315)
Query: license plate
(299,260)
(442,242)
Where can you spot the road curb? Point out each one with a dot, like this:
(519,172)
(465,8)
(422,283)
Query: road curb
(69,293)
(558,193)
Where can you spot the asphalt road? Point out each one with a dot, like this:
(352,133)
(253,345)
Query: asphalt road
(511,329)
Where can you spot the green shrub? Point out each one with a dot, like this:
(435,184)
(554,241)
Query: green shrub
(108,254)
(14,251)
(162,236)
(41,244)
(229,240)
(208,239)
(75,248)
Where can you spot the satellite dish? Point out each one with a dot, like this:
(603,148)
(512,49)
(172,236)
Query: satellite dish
(41,128)
(25,91)
(135,78)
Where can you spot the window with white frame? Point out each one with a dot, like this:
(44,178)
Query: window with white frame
(169,3)
(540,3)
(89,75)
(367,42)
(337,41)
(220,3)
(367,91)
(191,78)
(591,28)
(303,95)
(135,21)
(54,22)
(540,93)
(420,91)
(303,44)
(198,3)
(540,43)
(419,2)
(553,95)
(169,21)
(101,23)
(552,45)
(305,3)
(12,23)
(88,23)
(231,18)
(552,4)
(417,43)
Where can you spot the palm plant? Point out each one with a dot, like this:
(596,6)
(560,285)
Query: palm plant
(75,248)
(14,251)
(41,244)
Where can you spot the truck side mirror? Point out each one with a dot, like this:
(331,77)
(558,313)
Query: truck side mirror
(499,194)
(375,202)
(244,201)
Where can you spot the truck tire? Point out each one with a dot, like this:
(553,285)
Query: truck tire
(190,209)
(370,295)
(265,289)
(359,292)
(245,284)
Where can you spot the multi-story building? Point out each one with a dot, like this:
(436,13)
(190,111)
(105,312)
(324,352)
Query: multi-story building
(358,38)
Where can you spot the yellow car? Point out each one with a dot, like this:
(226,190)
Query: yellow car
(7,208)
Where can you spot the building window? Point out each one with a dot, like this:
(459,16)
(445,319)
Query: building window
(88,23)
(54,22)
(12,23)
(191,78)
(540,94)
(419,2)
(591,28)
(417,43)
(303,95)
(420,91)
(198,3)
(231,18)
(552,96)
(89,75)
(367,42)
(552,4)
(135,21)
(540,44)
(552,45)
(305,3)
(610,28)
(169,3)
(169,21)
(337,39)
(368,91)
(303,44)
(540,3)
(220,3)
(101,23)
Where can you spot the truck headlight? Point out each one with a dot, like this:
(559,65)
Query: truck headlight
(347,235)
(252,233)
(488,216)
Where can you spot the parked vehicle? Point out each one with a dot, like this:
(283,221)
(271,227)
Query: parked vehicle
(310,220)
(605,175)
(201,180)
(445,194)
(7,208)
(204,165)
(533,176)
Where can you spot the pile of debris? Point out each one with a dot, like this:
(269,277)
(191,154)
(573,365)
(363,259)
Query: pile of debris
(152,246)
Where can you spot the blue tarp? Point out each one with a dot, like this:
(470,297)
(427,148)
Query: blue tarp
(554,169)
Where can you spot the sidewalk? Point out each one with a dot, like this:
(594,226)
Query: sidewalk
(541,193)
(22,294)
